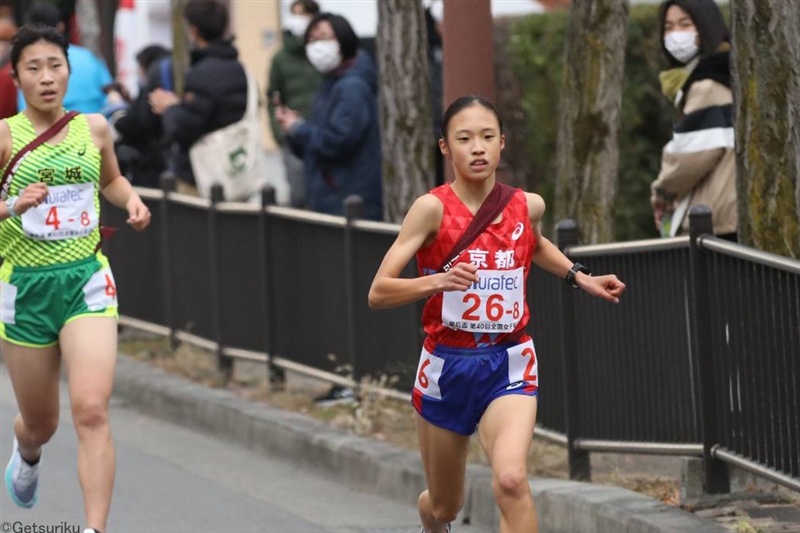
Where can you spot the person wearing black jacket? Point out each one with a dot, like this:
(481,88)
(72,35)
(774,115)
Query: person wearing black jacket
(139,145)
(215,87)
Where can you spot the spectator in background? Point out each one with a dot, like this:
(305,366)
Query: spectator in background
(139,145)
(340,140)
(8,91)
(293,83)
(698,165)
(89,76)
(215,88)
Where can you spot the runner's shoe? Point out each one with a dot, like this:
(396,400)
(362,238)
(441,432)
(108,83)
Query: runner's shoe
(337,395)
(22,479)
(447,529)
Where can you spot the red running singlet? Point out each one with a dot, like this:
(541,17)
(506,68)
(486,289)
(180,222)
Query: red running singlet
(493,311)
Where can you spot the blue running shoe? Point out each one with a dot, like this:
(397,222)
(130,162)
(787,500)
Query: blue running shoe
(22,479)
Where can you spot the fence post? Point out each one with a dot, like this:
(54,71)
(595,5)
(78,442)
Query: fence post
(717,480)
(353,209)
(224,364)
(167,186)
(277,377)
(580,466)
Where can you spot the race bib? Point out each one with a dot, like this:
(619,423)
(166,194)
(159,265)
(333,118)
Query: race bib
(428,373)
(494,304)
(523,368)
(100,292)
(67,212)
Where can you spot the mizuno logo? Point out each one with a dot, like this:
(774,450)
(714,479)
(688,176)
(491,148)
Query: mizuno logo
(82,150)
(516,385)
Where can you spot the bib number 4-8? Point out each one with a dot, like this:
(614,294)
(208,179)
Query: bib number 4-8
(67,212)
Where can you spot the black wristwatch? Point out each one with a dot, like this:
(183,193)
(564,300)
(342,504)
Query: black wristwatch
(570,278)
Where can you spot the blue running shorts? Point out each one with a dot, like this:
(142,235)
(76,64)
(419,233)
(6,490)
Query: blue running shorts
(454,386)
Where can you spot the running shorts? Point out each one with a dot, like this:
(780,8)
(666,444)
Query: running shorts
(454,386)
(36,302)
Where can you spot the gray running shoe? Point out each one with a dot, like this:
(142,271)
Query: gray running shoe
(22,479)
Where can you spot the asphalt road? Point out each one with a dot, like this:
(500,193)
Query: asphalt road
(174,480)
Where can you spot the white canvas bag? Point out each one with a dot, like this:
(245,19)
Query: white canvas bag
(232,156)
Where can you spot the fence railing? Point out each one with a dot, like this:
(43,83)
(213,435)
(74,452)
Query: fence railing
(754,329)
(701,358)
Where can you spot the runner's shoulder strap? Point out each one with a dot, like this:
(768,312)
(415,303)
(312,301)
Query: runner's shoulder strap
(490,209)
(30,147)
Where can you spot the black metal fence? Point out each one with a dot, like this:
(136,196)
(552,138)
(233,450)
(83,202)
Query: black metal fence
(754,327)
(701,358)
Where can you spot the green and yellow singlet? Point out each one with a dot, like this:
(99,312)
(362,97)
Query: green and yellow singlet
(65,227)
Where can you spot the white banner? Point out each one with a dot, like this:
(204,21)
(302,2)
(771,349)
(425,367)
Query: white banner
(138,24)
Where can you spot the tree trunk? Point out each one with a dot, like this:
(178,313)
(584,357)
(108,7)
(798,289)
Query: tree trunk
(180,47)
(405,105)
(766,88)
(589,120)
(515,165)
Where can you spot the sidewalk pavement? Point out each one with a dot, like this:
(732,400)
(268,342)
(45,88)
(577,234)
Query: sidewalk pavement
(379,468)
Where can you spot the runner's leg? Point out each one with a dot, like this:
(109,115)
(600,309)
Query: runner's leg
(444,457)
(506,431)
(89,347)
(34,374)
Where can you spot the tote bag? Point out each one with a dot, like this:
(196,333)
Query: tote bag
(231,156)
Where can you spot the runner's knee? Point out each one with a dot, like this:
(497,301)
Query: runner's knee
(90,414)
(510,483)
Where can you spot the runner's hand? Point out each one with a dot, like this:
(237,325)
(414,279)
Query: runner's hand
(31,196)
(460,277)
(138,213)
(607,287)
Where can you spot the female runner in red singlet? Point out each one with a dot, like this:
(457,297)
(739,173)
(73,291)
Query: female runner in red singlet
(477,364)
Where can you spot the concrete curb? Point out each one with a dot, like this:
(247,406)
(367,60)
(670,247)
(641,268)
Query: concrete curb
(377,467)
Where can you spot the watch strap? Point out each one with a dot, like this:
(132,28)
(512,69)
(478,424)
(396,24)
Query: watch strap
(570,277)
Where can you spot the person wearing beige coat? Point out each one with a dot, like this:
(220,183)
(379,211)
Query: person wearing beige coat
(698,164)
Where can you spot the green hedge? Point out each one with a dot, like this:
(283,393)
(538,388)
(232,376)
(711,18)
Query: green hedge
(535,51)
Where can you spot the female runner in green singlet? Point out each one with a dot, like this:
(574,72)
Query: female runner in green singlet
(57,293)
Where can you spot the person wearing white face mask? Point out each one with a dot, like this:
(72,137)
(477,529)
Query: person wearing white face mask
(698,165)
(293,82)
(339,140)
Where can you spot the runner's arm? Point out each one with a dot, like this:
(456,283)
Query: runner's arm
(30,196)
(116,189)
(419,228)
(550,258)
(5,155)
(5,143)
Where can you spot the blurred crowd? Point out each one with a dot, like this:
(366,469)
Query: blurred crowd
(322,102)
